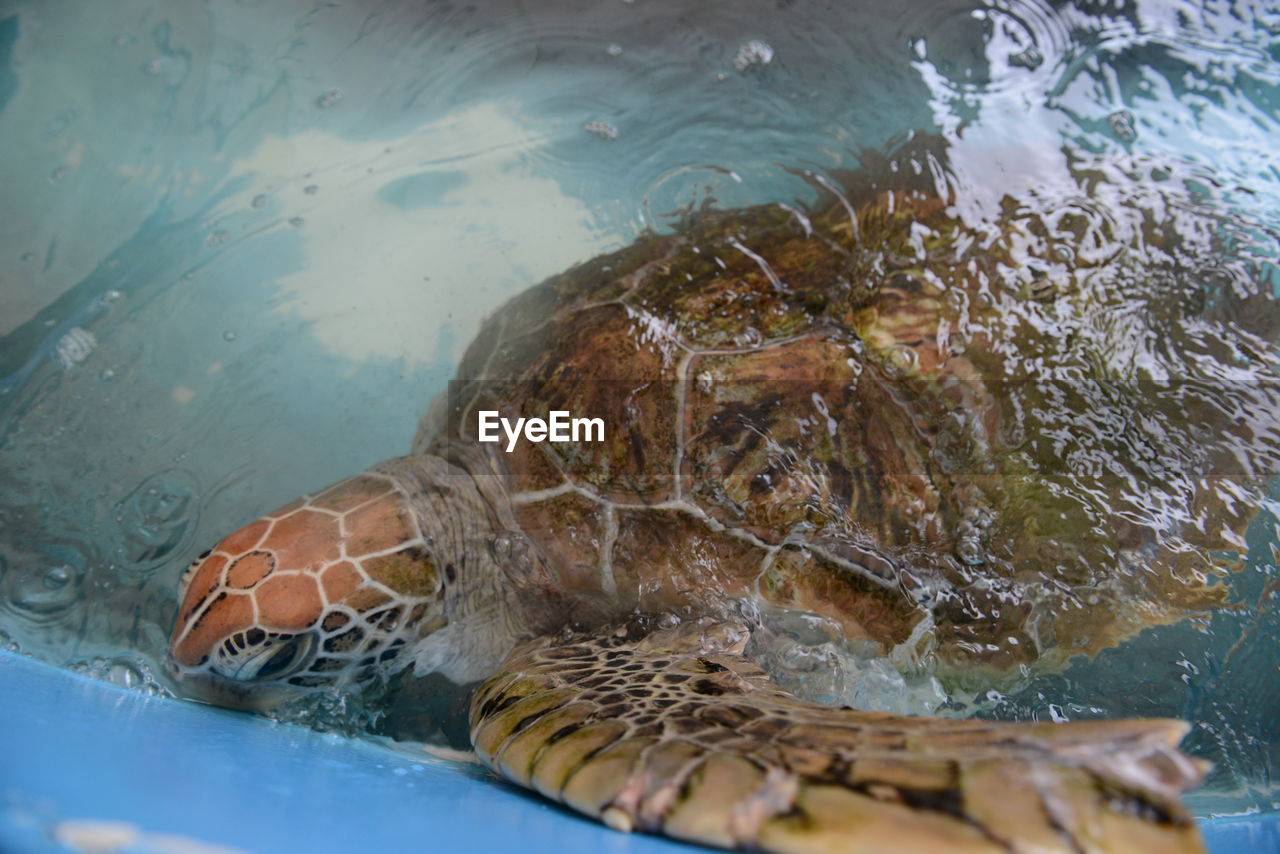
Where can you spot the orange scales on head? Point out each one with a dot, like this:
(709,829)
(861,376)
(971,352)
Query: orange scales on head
(319,592)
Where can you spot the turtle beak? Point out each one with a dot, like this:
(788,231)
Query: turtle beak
(207,687)
(253,680)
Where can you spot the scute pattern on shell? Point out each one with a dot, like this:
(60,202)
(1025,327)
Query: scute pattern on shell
(841,415)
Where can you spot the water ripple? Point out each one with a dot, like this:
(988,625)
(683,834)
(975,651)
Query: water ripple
(157,519)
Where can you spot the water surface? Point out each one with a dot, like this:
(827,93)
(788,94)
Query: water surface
(246,242)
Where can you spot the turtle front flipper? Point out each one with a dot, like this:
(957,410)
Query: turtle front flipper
(676,732)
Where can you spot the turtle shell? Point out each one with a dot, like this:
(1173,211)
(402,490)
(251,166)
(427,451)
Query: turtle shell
(939,436)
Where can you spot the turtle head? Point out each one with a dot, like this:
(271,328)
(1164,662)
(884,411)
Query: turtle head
(319,595)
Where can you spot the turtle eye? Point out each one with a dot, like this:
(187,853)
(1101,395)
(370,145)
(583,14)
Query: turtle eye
(278,661)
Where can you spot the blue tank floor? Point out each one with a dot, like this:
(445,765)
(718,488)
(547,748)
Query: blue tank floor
(185,779)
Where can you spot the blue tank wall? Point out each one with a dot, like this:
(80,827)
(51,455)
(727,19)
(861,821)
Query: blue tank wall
(176,778)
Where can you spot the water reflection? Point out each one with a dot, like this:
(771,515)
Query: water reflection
(254,237)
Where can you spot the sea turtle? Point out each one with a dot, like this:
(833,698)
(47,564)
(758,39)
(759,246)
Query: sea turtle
(867,414)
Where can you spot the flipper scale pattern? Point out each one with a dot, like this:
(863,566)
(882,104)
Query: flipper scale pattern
(676,732)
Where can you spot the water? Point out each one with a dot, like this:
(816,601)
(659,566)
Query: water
(245,244)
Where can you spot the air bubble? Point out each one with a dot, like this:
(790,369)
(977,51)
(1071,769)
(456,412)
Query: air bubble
(218,238)
(57,578)
(506,546)
(614,50)
(311,189)
(43,598)
(259,201)
(74,347)
(604,130)
(900,360)
(125,675)
(970,552)
(297,221)
(1121,123)
(229,335)
(329,99)
(125,672)
(753,54)
(1030,59)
